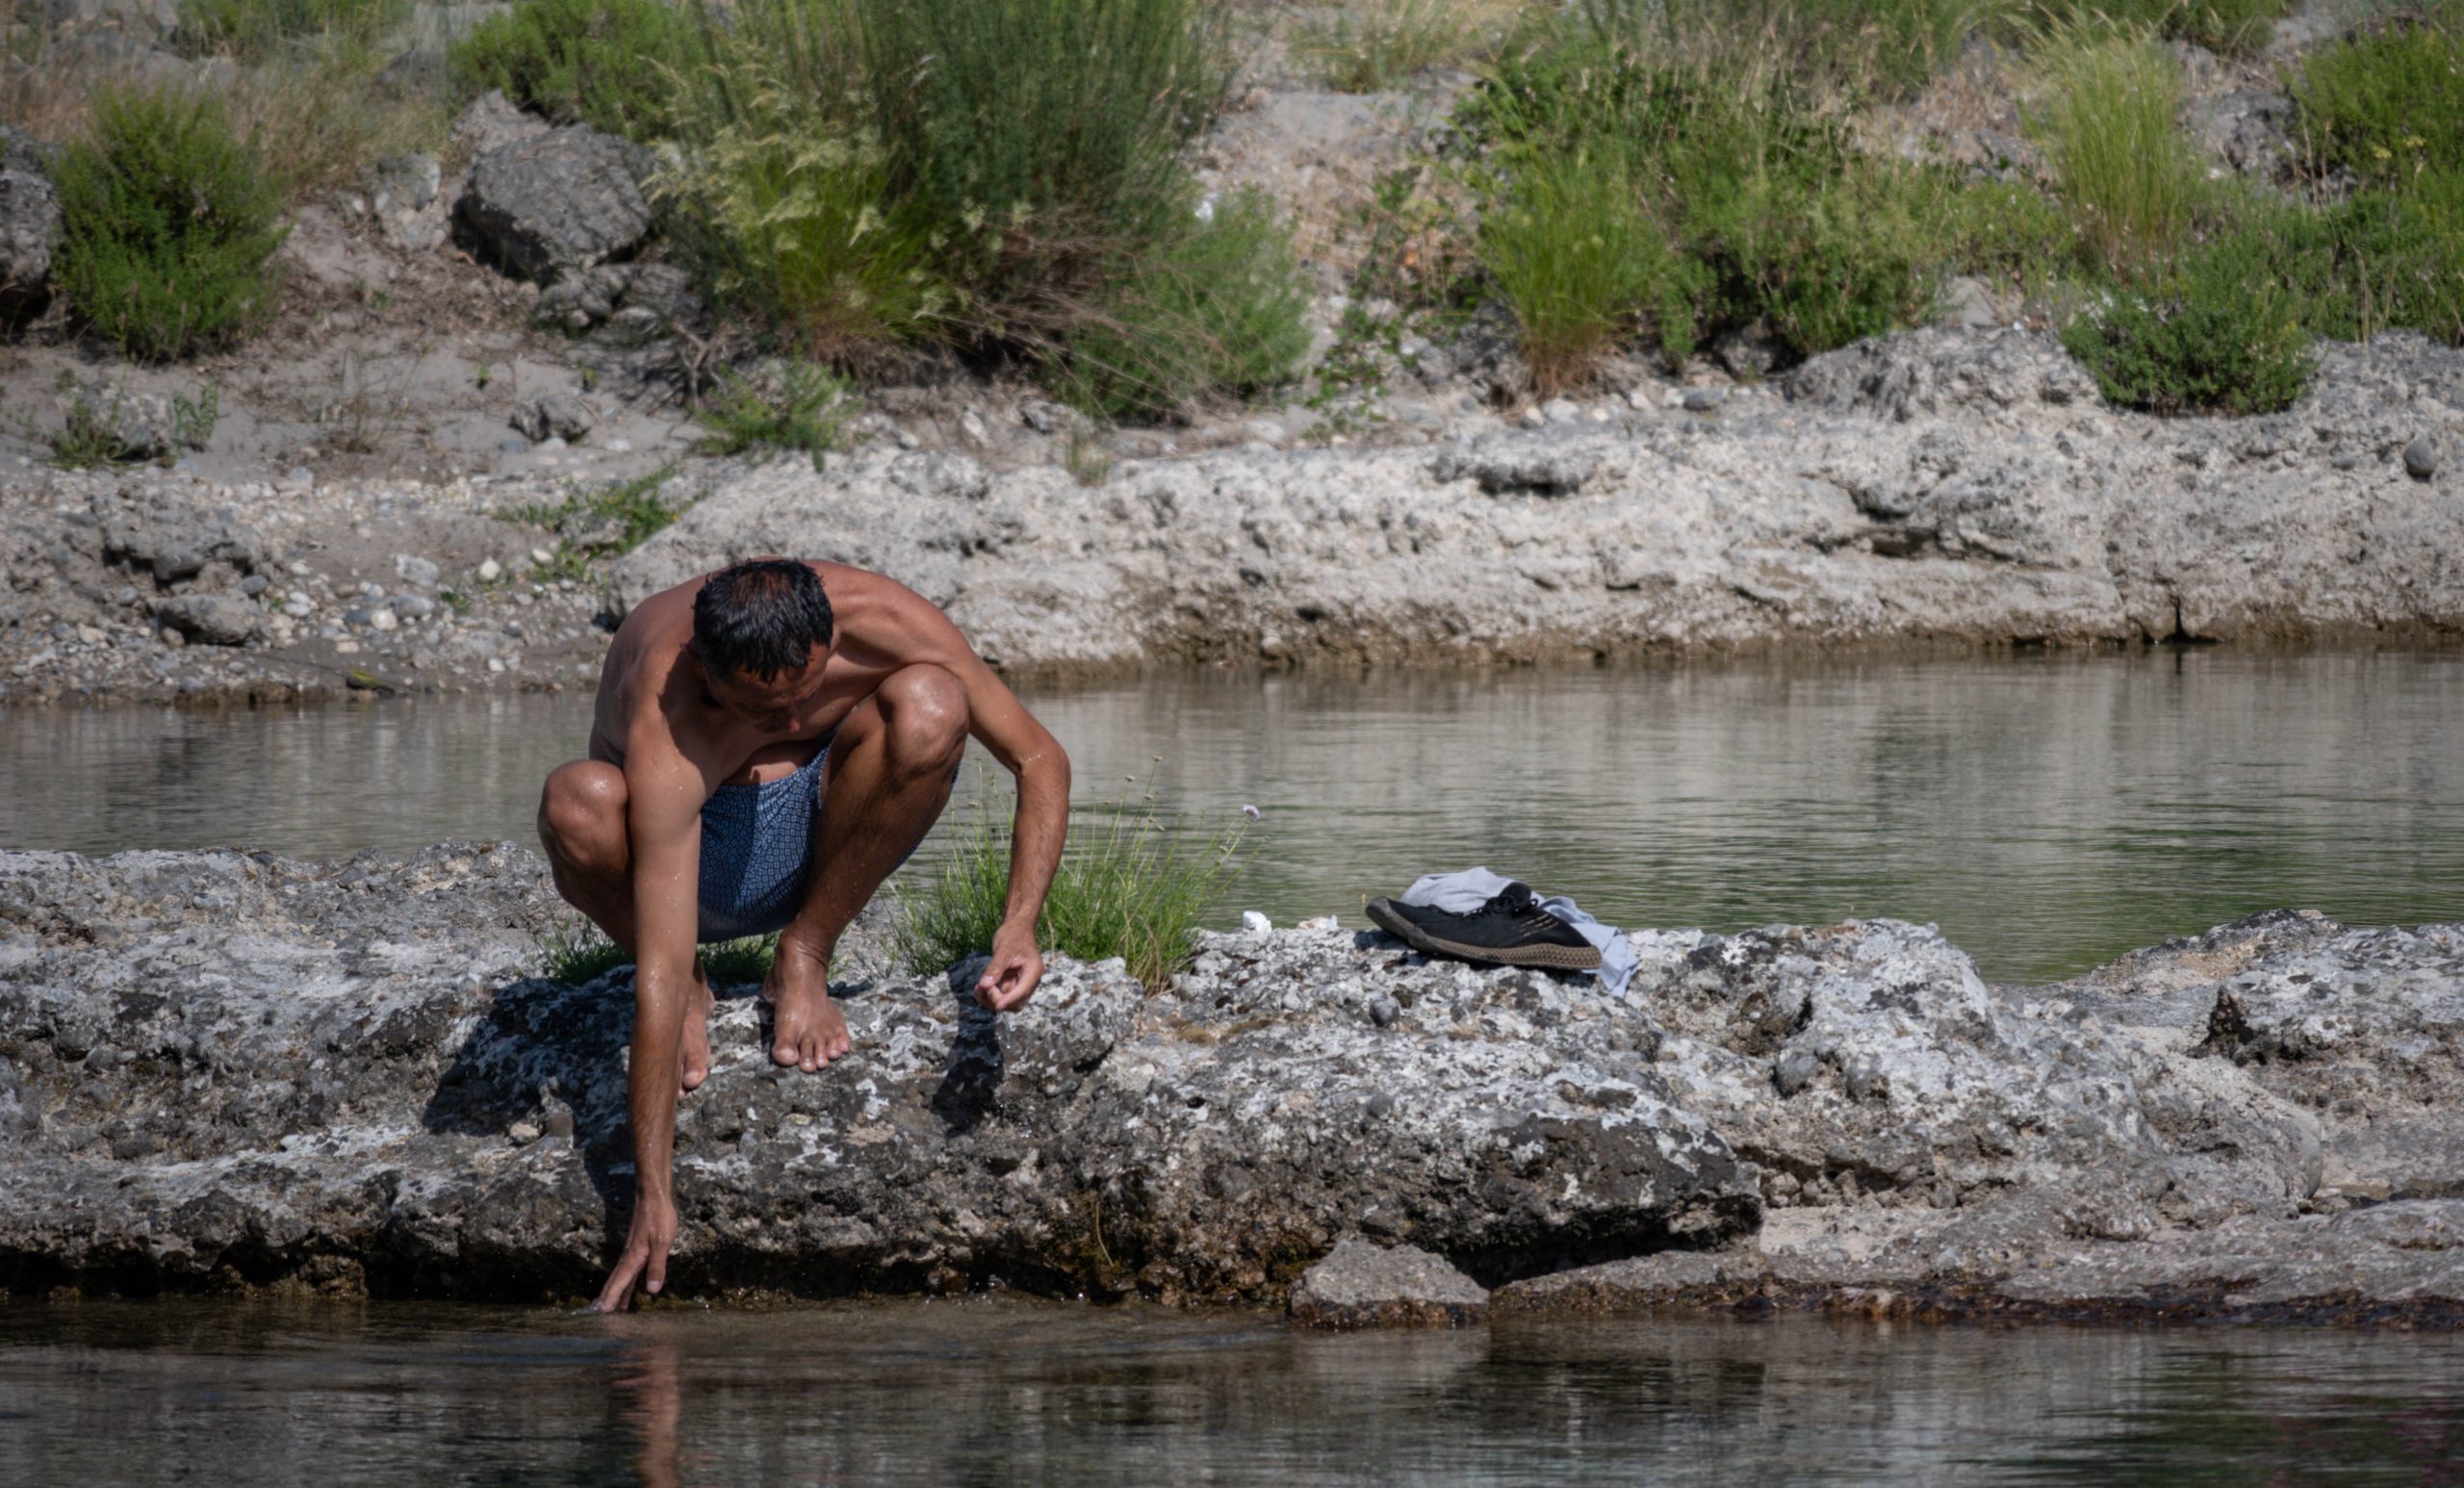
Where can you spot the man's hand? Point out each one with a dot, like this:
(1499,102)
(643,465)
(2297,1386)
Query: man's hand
(1016,969)
(645,1257)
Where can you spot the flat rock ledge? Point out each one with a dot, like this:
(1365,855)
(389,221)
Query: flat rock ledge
(230,1072)
(1931,488)
(1359,1285)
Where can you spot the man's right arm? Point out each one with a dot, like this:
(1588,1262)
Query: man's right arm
(665,825)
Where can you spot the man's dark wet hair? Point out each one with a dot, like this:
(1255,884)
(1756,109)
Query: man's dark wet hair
(762,618)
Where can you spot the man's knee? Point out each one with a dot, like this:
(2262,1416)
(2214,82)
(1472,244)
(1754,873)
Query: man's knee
(924,710)
(582,811)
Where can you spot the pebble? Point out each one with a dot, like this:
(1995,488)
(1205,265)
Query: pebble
(2421,458)
(489,571)
(382,619)
(413,606)
(253,585)
(1704,399)
(170,637)
(1559,410)
(541,555)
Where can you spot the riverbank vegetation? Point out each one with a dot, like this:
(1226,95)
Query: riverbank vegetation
(870,186)
(1645,173)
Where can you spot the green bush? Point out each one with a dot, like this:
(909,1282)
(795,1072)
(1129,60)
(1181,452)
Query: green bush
(614,64)
(2222,335)
(1129,885)
(1219,309)
(254,29)
(2387,106)
(1755,207)
(2118,156)
(169,226)
(2382,259)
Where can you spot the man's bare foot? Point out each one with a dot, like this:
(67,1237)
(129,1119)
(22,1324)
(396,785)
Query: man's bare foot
(693,1048)
(809,1029)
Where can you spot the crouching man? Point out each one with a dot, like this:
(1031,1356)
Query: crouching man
(771,742)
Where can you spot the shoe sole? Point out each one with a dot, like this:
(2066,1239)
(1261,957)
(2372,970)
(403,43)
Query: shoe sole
(1552,957)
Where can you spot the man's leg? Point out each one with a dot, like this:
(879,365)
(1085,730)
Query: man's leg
(590,851)
(887,779)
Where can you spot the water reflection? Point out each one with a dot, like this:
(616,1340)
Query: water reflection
(2048,811)
(990,1391)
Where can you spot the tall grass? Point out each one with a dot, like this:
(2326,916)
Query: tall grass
(1373,45)
(1129,885)
(1582,263)
(2117,154)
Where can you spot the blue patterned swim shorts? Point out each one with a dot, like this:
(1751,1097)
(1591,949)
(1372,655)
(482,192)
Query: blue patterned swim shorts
(757,852)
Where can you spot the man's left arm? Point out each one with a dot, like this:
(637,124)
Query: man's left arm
(1029,752)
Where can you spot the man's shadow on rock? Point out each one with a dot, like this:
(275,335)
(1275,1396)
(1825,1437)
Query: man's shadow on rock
(970,1088)
(552,1054)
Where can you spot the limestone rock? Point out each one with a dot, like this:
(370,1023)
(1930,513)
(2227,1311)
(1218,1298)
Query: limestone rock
(555,415)
(211,619)
(29,226)
(556,204)
(1359,1285)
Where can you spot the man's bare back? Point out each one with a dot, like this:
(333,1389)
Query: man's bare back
(770,742)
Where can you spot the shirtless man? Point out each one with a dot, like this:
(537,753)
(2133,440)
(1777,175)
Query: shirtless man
(770,740)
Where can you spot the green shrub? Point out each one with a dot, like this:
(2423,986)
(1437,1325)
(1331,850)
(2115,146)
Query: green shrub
(1128,885)
(2222,335)
(2387,106)
(614,64)
(2117,154)
(169,226)
(254,29)
(2385,259)
(1219,309)
(1755,207)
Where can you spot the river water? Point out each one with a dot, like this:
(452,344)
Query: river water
(985,1391)
(2048,812)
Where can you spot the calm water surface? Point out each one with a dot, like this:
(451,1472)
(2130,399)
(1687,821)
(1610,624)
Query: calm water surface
(986,1390)
(2047,812)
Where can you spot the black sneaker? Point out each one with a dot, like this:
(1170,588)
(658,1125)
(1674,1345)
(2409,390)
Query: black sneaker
(1510,930)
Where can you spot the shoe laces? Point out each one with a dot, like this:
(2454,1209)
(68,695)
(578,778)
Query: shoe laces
(1512,902)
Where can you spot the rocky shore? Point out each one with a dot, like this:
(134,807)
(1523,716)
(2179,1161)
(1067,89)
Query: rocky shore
(237,1073)
(1937,488)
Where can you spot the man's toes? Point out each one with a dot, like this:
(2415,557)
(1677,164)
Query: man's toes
(784,1052)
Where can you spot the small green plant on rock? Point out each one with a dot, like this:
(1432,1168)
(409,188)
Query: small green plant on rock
(2222,336)
(791,406)
(252,31)
(169,226)
(575,953)
(1129,885)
